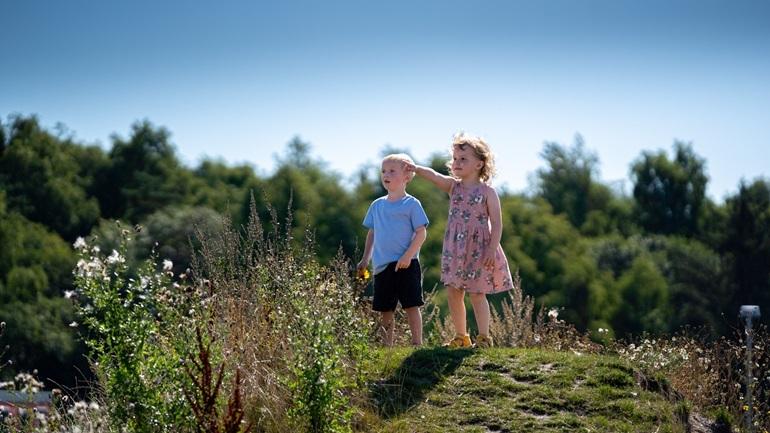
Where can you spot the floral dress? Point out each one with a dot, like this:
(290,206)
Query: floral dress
(468,232)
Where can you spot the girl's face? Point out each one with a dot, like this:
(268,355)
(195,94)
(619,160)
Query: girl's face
(465,163)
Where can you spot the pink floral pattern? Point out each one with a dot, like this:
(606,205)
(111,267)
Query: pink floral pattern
(468,232)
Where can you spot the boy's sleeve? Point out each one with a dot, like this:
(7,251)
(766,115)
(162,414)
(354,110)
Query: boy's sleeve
(369,218)
(419,218)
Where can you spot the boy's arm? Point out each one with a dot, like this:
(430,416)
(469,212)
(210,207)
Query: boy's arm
(367,251)
(496,225)
(419,237)
(443,182)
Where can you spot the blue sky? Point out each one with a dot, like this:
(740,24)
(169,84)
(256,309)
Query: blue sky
(238,80)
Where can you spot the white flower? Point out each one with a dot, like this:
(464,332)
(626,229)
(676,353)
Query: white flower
(603,330)
(88,269)
(69,294)
(80,243)
(553,313)
(115,257)
(167,265)
(74,325)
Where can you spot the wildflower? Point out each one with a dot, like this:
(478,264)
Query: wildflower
(73,325)
(69,294)
(115,257)
(80,243)
(363,274)
(603,330)
(167,265)
(553,313)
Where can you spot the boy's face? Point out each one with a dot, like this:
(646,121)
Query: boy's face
(394,177)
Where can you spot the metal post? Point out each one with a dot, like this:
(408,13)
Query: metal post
(749,313)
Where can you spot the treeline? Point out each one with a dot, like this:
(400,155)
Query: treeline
(663,257)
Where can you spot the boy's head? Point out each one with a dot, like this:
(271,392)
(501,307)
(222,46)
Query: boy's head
(394,174)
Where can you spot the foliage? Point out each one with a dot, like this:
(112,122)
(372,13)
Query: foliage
(144,175)
(611,264)
(568,184)
(120,310)
(295,327)
(34,272)
(43,180)
(745,246)
(670,194)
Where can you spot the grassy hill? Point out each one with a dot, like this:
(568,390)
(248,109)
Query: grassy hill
(519,390)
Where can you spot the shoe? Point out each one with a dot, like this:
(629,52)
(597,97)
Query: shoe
(484,341)
(459,342)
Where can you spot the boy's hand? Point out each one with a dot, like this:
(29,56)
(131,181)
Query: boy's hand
(403,263)
(362,270)
(363,264)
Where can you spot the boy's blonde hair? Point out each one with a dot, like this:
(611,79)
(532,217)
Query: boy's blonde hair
(480,148)
(400,157)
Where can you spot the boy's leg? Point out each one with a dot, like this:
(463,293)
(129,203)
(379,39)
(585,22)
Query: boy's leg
(456,301)
(415,324)
(481,312)
(387,328)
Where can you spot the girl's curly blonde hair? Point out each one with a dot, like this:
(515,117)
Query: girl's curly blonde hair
(480,148)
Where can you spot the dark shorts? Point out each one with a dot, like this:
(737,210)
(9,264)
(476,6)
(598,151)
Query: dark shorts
(404,286)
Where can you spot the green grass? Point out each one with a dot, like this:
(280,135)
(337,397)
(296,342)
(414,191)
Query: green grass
(511,390)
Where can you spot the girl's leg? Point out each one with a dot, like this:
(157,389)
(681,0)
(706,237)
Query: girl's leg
(456,301)
(415,324)
(387,328)
(481,312)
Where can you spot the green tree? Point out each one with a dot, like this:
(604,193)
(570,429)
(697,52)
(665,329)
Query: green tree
(569,184)
(44,181)
(317,201)
(175,230)
(644,304)
(225,189)
(692,275)
(143,176)
(746,245)
(696,285)
(670,194)
(35,272)
(552,258)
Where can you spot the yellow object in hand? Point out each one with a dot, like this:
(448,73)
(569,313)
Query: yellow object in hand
(363,274)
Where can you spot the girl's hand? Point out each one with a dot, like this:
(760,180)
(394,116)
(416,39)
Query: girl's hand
(488,259)
(409,167)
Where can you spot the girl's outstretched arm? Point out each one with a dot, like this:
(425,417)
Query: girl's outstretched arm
(444,183)
(496,225)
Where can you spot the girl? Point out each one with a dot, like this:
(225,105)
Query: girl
(472,260)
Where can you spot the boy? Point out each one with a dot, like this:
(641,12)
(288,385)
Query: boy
(396,224)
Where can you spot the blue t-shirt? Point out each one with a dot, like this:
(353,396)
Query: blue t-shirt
(394,224)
